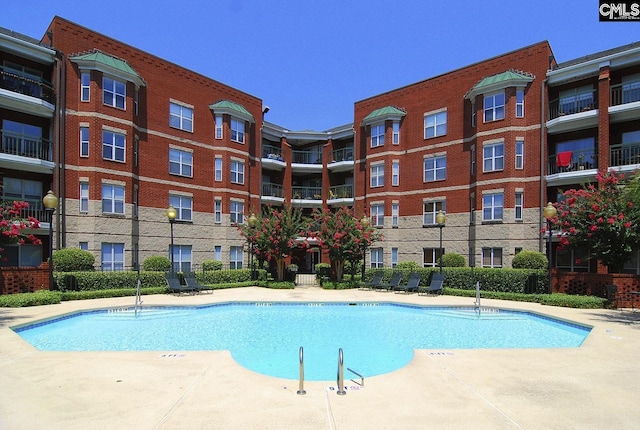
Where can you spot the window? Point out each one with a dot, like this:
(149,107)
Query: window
(395,173)
(23,189)
(113,145)
(21,139)
(431,257)
(136,150)
(236,212)
(494,107)
(235,257)
(576,100)
(112,257)
(572,260)
(394,257)
(377,215)
(377,258)
(83,245)
(493,157)
(237,130)
(112,199)
(84,141)
(630,88)
(492,206)
(430,210)
(519,154)
(473,161)
(396,133)
(85,87)
(181,258)
(180,116)
(518,205)
(84,197)
(237,172)
(218,170)
(183,207)
(218,127)
(136,98)
(217,253)
(395,211)
(180,162)
(377,175)
(435,125)
(114,93)
(435,168)
(519,103)
(377,135)
(217,211)
(473,114)
(491,257)
(136,193)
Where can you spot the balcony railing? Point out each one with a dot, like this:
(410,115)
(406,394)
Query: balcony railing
(343,154)
(570,105)
(307,157)
(30,87)
(577,160)
(628,92)
(35,208)
(25,145)
(341,192)
(272,152)
(307,193)
(272,190)
(624,154)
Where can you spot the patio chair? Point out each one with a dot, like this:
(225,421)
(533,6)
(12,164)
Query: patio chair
(190,279)
(396,278)
(375,281)
(412,284)
(434,287)
(175,287)
(612,295)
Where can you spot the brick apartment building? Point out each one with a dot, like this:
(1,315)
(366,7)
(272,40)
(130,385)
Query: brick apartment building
(125,134)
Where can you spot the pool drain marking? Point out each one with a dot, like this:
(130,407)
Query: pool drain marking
(172,355)
(346,387)
(441,353)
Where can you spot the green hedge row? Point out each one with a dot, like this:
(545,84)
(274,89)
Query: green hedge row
(561,300)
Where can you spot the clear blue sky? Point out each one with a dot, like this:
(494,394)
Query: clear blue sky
(309,61)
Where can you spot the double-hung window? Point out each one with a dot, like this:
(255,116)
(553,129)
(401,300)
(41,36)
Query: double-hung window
(218,169)
(235,257)
(394,257)
(237,130)
(435,168)
(395,214)
(491,257)
(181,116)
(395,173)
(84,197)
(237,172)
(85,87)
(180,162)
(219,126)
(377,215)
(112,257)
(183,206)
(493,157)
(518,205)
(377,135)
(519,154)
(113,146)
(519,103)
(435,124)
(114,92)
(492,207)
(112,199)
(236,212)
(377,175)
(84,141)
(182,258)
(396,133)
(494,107)
(377,258)
(217,211)
(430,210)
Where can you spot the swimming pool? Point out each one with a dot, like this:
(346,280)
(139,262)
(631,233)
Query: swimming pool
(265,337)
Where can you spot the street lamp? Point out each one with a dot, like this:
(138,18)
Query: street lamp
(549,213)
(441,219)
(252,224)
(50,202)
(365,224)
(171,215)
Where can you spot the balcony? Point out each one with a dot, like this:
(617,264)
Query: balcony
(25,94)
(272,193)
(571,113)
(624,104)
(570,167)
(626,156)
(272,157)
(341,195)
(342,160)
(306,162)
(24,152)
(306,196)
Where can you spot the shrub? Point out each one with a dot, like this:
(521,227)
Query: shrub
(412,265)
(453,259)
(73,260)
(211,265)
(530,260)
(156,263)
(38,298)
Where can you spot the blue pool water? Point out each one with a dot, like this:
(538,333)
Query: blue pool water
(266,337)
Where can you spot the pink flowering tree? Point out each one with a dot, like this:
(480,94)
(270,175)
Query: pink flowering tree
(273,235)
(603,218)
(13,223)
(342,236)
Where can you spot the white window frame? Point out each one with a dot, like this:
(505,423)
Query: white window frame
(396,133)
(376,173)
(435,168)
(494,257)
(430,209)
(494,106)
(236,170)
(236,212)
(493,206)
(115,144)
(395,173)
(84,141)
(182,258)
(377,134)
(519,103)
(236,257)
(376,258)
(85,87)
(434,254)
(237,130)
(217,253)
(519,162)
(493,157)
(83,205)
(518,205)
(377,214)
(115,90)
(219,132)
(113,199)
(217,211)
(473,161)
(112,257)
(180,162)
(217,173)
(183,206)
(435,124)
(394,257)
(395,214)
(180,116)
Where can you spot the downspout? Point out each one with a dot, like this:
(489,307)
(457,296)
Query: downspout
(61,237)
(543,162)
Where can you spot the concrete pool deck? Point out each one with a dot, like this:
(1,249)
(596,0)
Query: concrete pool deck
(594,386)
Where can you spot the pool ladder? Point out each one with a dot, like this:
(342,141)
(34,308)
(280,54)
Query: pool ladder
(340,376)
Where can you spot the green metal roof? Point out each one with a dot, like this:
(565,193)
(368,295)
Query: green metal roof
(382,114)
(233,109)
(510,78)
(98,60)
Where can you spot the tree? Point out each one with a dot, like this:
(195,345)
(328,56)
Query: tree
(342,236)
(273,235)
(603,219)
(12,224)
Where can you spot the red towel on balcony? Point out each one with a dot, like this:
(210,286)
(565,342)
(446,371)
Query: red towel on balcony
(563,159)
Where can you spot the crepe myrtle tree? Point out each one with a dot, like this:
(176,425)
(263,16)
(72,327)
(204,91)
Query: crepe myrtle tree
(272,237)
(13,223)
(342,236)
(603,218)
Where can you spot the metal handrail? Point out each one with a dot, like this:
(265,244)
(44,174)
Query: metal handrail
(340,376)
(301,389)
(361,383)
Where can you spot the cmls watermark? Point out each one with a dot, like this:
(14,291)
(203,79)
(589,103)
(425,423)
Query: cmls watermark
(620,11)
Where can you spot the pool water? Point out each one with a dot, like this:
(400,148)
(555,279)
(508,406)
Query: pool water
(376,338)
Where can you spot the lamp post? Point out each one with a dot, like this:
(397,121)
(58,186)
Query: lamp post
(365,224)
(171,215)
(252,224)
(50,202)
(441,219)
(549,213)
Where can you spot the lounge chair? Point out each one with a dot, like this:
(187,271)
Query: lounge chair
(412,284)
(396,278)
(173,282)
(190,279)
(435,287)
(374,283)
